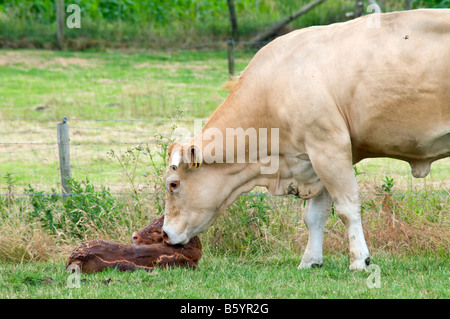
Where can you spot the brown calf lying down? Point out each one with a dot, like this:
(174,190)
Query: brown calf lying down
(148,251)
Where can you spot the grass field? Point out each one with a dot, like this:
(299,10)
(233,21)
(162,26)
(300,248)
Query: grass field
(231,277)
(251,252)
(104,86)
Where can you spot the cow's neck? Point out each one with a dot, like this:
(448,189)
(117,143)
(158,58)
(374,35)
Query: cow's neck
(304,183)
(241,111)
(243,114)
(293,173)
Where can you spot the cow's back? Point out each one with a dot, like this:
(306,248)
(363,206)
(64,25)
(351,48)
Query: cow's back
(398,98)
(388,77)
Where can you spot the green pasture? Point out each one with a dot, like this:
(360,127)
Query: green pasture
(230,277)
(112,85)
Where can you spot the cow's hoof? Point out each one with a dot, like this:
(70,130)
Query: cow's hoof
(312,264)
(360,264)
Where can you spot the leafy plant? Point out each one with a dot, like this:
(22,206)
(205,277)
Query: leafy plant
(45,208)
(388,184)
(357,172)
(85,209)
(259,204)
(431,3)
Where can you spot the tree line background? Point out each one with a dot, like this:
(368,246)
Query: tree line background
(165,24)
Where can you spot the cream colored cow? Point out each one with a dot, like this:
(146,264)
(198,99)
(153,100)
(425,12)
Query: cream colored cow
(317,101)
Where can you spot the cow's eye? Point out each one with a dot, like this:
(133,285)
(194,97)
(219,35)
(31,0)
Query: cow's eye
(173,186)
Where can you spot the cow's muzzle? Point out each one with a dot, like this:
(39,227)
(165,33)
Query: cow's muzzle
(171,237)
(166,238)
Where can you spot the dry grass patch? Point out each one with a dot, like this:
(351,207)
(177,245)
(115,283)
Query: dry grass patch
(29,59)
(22,242)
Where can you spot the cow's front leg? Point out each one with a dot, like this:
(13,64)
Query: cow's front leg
(333,165)
(344,192)
(317,213)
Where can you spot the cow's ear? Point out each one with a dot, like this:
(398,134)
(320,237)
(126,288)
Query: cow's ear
(171,148)
(196,156)
(175,153)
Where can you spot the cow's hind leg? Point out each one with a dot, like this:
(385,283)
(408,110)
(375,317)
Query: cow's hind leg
(317,213)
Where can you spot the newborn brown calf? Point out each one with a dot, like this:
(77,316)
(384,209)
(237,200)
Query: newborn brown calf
(149,251)
(152,234)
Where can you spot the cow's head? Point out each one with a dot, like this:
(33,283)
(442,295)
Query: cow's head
(197,192)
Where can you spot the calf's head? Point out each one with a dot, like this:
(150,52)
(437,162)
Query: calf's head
(152,234)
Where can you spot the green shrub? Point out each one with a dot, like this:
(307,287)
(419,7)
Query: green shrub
(86,208)
(83,211)
(44,208)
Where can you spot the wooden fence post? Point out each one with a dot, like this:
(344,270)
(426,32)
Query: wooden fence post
(60,15)
(230,45)
(64,156)
(359,8)
(408,4)
(233,20)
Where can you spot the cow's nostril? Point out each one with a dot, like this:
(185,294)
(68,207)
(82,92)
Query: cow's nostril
(134,237)
(166,238)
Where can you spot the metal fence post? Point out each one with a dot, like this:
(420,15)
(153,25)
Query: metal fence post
(64,156)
